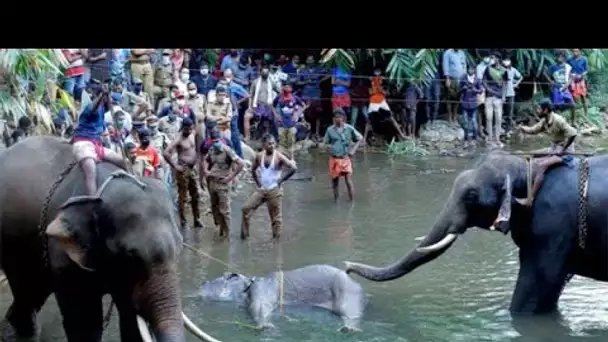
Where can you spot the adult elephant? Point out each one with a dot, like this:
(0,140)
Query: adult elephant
(552,244)
(124,242)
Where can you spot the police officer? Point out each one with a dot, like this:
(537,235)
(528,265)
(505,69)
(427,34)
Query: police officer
(163,76)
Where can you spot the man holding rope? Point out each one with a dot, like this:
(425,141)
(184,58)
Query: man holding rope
(562,136)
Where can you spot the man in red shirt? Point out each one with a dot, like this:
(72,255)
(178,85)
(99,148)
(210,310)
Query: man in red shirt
(149,156)
(74,82)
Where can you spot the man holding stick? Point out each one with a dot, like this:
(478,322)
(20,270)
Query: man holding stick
(562,136)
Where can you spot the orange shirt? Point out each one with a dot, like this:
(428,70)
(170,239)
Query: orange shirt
(151,157)
(377,95)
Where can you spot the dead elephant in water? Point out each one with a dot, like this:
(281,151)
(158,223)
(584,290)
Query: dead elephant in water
(321,286)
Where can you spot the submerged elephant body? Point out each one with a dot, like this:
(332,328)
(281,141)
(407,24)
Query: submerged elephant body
(124,242)
(547,234)
(322,286)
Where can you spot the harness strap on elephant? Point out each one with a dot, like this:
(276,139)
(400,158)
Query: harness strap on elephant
(281,290)
(582,202)
(45,208)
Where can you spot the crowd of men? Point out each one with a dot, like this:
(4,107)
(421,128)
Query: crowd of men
(179,119)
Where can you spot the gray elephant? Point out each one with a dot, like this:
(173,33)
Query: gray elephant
(321,286)
(553,242)
(123,242)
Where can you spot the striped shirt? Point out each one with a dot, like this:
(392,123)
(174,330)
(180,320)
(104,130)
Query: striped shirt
(76,67)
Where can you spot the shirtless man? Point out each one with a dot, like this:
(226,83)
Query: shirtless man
(184,174)
(562,136)
(269,180)
(220,165)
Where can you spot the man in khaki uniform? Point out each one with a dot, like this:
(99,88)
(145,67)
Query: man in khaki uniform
(216,165)
(220,111)
(142,69)
(562,136)
(197,102)
(164,76)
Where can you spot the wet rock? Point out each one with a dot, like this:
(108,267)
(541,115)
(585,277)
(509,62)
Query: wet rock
(441,131)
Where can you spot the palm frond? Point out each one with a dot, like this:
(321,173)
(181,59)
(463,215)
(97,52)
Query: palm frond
(338,58)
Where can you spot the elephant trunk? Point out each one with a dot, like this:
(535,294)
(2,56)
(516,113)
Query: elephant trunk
(440,238)
(158,301)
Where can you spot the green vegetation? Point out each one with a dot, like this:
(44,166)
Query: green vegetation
(38,68)
(403,148)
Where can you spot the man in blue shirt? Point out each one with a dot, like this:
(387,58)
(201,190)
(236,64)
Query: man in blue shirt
(238,95)
(204,80)
(560,75)
(340,81)
(87,145)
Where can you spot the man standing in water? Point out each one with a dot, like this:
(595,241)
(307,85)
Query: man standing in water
(269,180)
(184,171)
(216,165)
(562,136)
(338,137)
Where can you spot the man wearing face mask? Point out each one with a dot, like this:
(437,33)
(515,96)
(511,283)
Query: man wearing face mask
(149,155)
(277,77)
(243,73)
(480,70)
(142,68)
(171,122)
(494,80)
(514,78)
(185,177)
(239,97)
(198,103)
(292,69)
(160,141)
(261,106)
(204,80)
(219,166)
(115,101)
(231,61)
(220,112)
(179,107)
(163,76)
(182,82)
(132,101)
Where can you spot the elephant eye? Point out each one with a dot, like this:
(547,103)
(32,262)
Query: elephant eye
(232,276)
(471,196)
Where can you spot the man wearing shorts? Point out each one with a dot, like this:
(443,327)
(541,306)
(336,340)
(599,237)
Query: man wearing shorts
(289,109)
(337,139)
(454,68)
(578,87)
(86,143)
(340,82)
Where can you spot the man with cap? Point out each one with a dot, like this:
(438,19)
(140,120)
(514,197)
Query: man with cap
(86,143)
(204,80)
(164,76)
(185,177)
(337,139)
(219,166)
(220,111)
(115,102)
(142,68)
(133,99)
(149,155)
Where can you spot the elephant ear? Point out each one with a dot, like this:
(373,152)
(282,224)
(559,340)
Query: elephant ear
(504,212)
(73,225)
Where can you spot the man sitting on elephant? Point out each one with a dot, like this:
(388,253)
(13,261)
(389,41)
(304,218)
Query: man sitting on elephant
(562,136)
(86,143)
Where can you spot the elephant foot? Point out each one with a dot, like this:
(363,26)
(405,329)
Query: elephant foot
(9,334)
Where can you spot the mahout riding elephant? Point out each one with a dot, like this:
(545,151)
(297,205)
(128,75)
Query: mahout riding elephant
(553,246)
(321,286)
(124,242)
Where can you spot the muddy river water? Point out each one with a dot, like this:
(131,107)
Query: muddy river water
(461,296)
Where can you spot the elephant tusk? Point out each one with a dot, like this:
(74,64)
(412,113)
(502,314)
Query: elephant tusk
(143,330)
(448,239)
(196,331)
